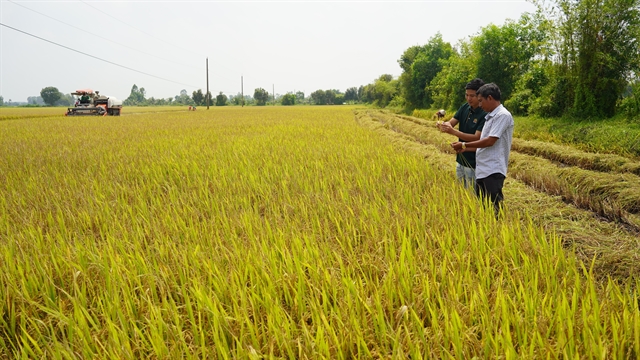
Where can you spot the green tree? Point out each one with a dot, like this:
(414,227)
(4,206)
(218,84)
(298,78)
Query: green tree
(420,65)
(136,97)
(299,97)
(505,52)
(288,99)
(351,94)
(596,46)
(261,96)
(447,88)
(183,98)
(384,90)
(1,101)
(65,100)
(319,97)
(50,95)
(198,97)
(221,99)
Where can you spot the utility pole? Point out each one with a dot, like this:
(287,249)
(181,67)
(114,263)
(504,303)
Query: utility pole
(242,89)
(207,95)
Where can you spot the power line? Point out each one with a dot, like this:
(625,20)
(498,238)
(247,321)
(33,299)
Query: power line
(95,57)
(101,37)
(131,26)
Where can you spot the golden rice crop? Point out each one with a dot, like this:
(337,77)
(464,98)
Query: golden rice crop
(275,232)
(7,113)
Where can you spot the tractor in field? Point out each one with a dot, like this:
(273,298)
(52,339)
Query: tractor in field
(91,103)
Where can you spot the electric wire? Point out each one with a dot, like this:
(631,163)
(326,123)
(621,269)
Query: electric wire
(98,58)
(101,37)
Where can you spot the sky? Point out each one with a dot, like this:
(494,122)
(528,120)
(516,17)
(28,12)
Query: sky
(163,46)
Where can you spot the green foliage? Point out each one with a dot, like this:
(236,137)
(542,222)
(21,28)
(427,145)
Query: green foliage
(420,65)
(183,98)
(198,97)
(136,97)
(1,101)
(50,95)
(327,97)
(611,136)
(630,103)
(598,43)
(447,88)
(288,99)
(221,99)
(261,96)
(351,95)
(505,52)
(530,88)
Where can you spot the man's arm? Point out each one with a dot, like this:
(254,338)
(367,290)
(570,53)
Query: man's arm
(459,134)
(473,145)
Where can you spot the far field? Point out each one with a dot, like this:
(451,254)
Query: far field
(304,232)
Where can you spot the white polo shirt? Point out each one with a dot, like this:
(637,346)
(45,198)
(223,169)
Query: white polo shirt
(495,159)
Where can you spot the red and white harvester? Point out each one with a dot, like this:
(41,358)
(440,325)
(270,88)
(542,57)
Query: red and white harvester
(91,103)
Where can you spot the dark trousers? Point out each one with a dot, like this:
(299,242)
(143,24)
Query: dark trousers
(491,188)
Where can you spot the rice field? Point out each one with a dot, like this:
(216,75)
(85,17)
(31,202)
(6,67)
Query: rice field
(9,113)
(278,232)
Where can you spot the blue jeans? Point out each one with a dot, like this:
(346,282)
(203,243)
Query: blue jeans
(466,175)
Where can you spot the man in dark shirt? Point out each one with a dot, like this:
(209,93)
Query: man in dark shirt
(470,118)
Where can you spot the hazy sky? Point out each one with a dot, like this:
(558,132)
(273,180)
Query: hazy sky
(294,45)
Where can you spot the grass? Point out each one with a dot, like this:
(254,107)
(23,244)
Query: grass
(569,155)
(618,136)
(276,232)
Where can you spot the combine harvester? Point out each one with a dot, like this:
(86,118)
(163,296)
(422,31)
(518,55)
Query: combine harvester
(93,104)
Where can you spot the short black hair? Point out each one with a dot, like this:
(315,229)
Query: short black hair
(474,84)
(490,89)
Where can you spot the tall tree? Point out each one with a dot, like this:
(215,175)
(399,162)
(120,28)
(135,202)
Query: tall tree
(447,88)
(319,97)
(288,99)
(420,65)
(221,99)
(351,94)
(198,97)
(136,97)
(50,95)
(261,96)
(505,52)
(597,51)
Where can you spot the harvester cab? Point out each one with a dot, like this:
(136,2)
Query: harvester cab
(91,103)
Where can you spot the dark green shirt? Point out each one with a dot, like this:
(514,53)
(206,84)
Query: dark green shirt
(469,121)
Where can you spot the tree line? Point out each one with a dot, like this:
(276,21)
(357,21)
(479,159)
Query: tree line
(572,57)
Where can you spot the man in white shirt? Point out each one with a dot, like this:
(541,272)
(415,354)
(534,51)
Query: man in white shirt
(493,148)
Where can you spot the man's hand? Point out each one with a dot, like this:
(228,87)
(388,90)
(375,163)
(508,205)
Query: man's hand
(446,127)
(457,146)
